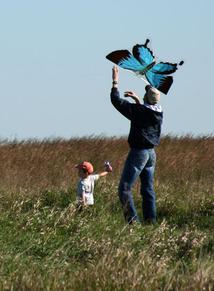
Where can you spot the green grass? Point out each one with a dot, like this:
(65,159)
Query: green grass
(46,244)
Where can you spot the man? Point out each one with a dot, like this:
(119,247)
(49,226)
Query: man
(144,135)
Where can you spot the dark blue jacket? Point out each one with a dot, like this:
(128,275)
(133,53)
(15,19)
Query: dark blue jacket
(145,123)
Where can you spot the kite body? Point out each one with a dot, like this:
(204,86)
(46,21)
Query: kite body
(142,62)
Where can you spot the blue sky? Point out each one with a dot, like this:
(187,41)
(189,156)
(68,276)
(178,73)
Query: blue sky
(55,80)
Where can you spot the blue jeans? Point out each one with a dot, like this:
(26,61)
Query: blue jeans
(139,163)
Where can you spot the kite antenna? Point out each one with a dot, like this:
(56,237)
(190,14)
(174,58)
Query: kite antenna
(147,41)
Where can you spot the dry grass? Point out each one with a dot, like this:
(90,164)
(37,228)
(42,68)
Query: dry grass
(45,244)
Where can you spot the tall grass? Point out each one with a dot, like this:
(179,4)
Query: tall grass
(46,244)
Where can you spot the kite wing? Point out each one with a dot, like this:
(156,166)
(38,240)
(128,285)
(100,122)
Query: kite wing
(159,81)
(158,75)
(165,68)
(140,61)
(125,60)
(143,54)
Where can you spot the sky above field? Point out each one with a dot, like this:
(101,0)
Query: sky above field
(55,80)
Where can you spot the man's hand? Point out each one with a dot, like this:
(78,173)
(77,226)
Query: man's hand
(115,74)
(133,96)
(130,94)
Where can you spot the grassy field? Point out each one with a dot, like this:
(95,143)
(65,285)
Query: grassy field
(45,244)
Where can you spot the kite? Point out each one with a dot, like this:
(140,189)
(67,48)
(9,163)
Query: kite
(142,62)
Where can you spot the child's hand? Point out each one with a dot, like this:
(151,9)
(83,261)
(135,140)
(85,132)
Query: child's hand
(108,167)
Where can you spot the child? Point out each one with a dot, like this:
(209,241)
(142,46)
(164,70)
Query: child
(85,187)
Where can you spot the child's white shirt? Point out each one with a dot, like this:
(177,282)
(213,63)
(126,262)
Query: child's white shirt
(86,187)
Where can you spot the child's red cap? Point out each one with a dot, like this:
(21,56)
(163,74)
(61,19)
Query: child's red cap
(86,166)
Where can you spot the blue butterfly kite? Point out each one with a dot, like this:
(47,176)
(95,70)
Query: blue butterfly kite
(142,62)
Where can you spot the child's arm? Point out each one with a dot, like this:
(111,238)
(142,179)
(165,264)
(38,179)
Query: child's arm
(108,169)
(83,199)
(103,174)
(133,96)
(81,190)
